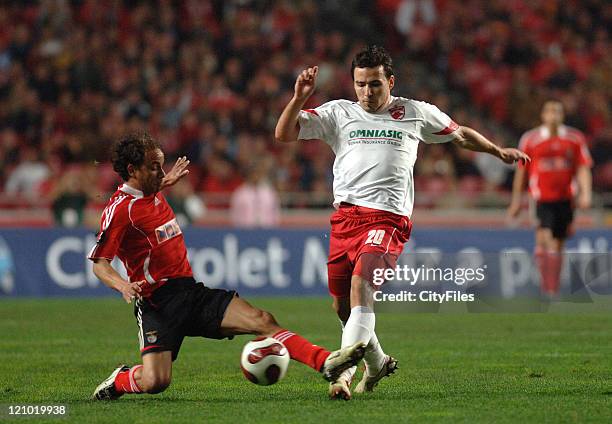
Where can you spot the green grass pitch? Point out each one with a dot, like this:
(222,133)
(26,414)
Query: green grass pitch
(550,367)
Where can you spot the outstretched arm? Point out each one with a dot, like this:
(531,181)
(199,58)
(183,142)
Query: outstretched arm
(471,139)
(287,127)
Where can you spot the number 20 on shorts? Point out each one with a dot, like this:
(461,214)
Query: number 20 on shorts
(375,237)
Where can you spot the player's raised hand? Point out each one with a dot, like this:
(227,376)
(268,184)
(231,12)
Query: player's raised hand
(510,156)
(305,83)
(178,171)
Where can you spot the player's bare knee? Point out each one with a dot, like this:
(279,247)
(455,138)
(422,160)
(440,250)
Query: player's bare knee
(268,320)
(160,386)
(156,383)
(264,322)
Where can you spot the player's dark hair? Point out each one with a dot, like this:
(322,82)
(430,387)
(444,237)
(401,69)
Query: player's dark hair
(131,149)
(552,100)
(372,57)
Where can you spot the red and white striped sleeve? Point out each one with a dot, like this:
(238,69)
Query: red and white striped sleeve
(113,225)
(437,126)
(318,123)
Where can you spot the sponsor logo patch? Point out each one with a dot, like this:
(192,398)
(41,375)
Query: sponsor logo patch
(167,231)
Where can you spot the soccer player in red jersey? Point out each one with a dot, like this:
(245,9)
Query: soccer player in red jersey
(560,158)
(140,228)
(375,140)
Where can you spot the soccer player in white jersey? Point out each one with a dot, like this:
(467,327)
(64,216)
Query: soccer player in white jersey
(375,141)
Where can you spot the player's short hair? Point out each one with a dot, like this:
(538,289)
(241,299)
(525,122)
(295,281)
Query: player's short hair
(131,149)
(553,100)
(372,57)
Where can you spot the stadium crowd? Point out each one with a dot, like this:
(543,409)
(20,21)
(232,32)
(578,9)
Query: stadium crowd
(209,79)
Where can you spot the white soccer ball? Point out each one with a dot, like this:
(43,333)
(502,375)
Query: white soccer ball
(264,361)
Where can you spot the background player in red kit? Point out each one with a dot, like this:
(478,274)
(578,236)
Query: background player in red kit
(559,155)
(140,228)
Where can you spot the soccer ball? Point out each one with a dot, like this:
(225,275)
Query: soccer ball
(264,361)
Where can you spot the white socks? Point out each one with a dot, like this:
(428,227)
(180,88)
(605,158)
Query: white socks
(374,357)
(360,328)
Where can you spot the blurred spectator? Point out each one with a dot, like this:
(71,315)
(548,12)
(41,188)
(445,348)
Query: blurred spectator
(496,174)
(437,163)
(221,180)
(209,79)
(602,156)
(255,204)
(9,151)
(186,204)
(435,174)
(27,177)
(410,12)
(69,198)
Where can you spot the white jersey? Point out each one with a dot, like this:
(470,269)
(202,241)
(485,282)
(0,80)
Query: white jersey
(375,152)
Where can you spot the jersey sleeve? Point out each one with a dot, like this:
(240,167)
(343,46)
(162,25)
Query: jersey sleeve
(318,123)
(437,126)
(113,225)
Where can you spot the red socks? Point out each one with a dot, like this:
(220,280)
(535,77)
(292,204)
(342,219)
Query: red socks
(302,350)
(549,264)
(125,381)
(554,272)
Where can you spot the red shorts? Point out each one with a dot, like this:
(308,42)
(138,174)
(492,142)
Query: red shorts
(363,239)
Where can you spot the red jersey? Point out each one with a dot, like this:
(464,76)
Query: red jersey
(143,233)
(554,161)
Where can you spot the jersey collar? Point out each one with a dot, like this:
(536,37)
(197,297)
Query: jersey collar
(382,110)
(131,191)
(545,132)
(386,108)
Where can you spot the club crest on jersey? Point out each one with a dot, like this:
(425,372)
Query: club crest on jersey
(151,336)
(397,112)
(167,231)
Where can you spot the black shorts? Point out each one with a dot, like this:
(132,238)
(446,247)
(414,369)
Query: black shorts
(180,308)
(557,216)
